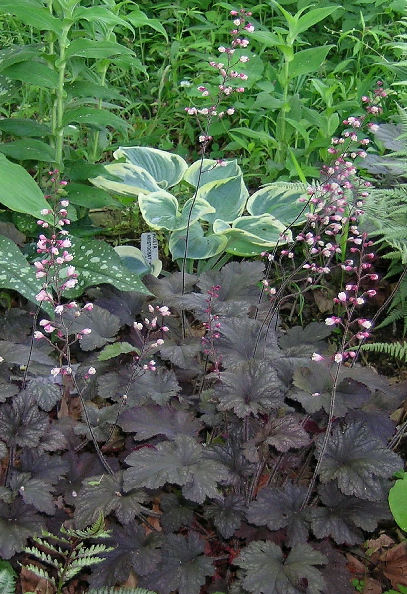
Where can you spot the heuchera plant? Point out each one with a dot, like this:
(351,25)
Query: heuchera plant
(226,450)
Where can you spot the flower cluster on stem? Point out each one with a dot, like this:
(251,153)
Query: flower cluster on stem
(212,326)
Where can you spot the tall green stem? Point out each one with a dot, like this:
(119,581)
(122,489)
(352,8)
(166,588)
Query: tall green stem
(282,151)
(94,151)
(60,94)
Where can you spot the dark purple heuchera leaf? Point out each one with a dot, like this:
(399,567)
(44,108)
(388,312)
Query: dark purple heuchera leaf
(183,567)
(101,420)
(19,354)
(15,324)
(183,462)
(342,515)
(169,289)
(226,515)
(286,433)
(357,460)
(176,513)
(3,450)
(314,384)
(53,439)
(43,466)
(45,393)
(105,494)
(302,342)
(35,492)
(239,337)
(148,421)
(230,454)
(378,424)
(125,305)
(81,467)
(248,388)
(133,551)
(335,573)
(103,324)
(181,353)
(22,423)
(7,389)
(18,522)
(267,572)
(159,386)
(281,508)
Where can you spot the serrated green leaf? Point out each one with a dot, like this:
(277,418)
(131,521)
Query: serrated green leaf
(33,73)
(114,350)
(40,572)
(98,49)
(95,118)
(23,127)
(7,578)
(308,60)
(32,13)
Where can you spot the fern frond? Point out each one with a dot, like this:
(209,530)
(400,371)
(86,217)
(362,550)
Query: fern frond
(96,549)
(97,530)
(40,572)
(47,545)
(121,591)
(7,578)
(43,557)
(396,350)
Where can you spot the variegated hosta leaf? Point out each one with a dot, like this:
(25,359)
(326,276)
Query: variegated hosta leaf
(17,274)
(200,246)
(97,263)
(227,196)
(208,170)
(126,179)
(160,210)
(166,168)
(281,201)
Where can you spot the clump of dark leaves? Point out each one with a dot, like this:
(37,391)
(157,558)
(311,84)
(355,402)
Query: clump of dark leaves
(209,471)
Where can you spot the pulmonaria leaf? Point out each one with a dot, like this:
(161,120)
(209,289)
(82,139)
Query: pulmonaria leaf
(267,572)
(357,460)
(281,508)
(286,433)
(183,567)
(148,421)
(35,492)
(335,573)
(46,393)
(242,337)
(103,325)
(133,551)
(227,514)
(183,462)
(251,387)
(176,513)
(314,384)
(22,423)
(159,386)
(126,305)
(104,494)
(342,515)
(18,522)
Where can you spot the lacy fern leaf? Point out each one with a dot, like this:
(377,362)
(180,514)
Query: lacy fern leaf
(396,350)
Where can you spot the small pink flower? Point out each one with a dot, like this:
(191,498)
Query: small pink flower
(338,358)
(316,357)
(91,371)
(86,331)
(137,326)
(55,371)
(88,306)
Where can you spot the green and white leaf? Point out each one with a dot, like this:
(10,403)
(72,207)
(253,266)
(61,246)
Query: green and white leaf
(160,210)
(208,170)
(200,246)
(227,196)
(166,168)
(281,200)
(126,179)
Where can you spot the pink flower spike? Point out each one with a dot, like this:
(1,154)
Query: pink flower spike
(316,357)
(137,326)
(86,331)
(38,335)
(55,371)
(91,371)
(88,306)
(338,358)
(342,297)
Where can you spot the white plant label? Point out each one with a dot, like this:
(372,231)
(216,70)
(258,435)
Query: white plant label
(149,247)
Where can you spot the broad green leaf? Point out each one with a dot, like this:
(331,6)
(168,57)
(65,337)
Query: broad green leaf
(139,19)
(166,168)
(100,14)
(200,246)
(32,13)
(266,38)
(92,48)
(398,502)
(23,127)
(28,149)
(239,243)
(265,228)
(131,180)
(19,192)
(96,263)
(33,73)
(111,351)
(133,259)
(86,88)
(279,200)
(227,196)
(18,53)
(208,170)
(313,17)
(255,135)
(89,197)
(96,118)
(15,272)
(160,210)
(308,60)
